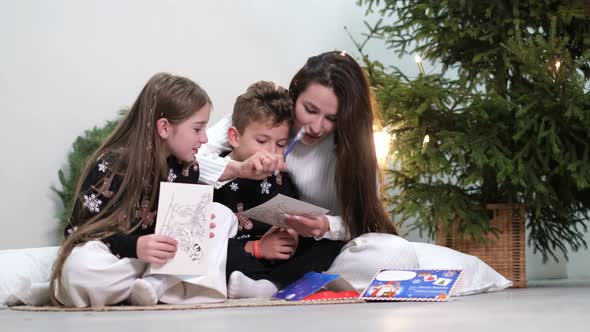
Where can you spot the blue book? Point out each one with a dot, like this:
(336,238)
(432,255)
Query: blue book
(311,283)
(411,285)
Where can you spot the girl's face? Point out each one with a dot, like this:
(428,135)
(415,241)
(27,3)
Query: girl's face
(315,110)
(184,139)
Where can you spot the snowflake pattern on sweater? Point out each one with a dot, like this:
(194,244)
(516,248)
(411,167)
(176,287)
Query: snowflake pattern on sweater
(101,185)
(102,166)
(265,185)
(243,194)
(92,203)
(171,175)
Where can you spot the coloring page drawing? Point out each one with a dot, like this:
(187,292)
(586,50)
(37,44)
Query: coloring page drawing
(184,213)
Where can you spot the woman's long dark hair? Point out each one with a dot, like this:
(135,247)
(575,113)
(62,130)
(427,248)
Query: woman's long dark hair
(357,170)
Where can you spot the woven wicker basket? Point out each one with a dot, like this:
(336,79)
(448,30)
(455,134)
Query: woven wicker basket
(505,251)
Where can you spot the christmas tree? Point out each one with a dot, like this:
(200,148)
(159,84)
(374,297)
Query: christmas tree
(511,126)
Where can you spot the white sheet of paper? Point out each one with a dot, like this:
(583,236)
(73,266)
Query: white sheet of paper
(271,212)
(184,213)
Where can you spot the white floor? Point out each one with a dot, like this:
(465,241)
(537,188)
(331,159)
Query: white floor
(552,306)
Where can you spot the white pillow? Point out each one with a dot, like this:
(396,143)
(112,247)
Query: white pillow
(24,275)
(478,277)
(362,257)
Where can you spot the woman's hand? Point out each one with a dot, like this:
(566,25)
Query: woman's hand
(156,249)
(277,244)
(308,226)
(259,166)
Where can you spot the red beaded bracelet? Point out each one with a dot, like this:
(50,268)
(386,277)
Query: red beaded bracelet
(256,249)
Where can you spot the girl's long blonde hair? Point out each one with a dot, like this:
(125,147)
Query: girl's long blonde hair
(134,155)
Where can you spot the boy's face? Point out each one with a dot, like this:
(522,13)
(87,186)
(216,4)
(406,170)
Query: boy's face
(258,136)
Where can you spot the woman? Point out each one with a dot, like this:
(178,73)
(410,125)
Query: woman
(335,167)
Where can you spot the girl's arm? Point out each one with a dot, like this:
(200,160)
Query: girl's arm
(218,171)
(211,166)
(95,194)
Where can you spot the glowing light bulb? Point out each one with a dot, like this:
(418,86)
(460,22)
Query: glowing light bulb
(382,140)
(425,142)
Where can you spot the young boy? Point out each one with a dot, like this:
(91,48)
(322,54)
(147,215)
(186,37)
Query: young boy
(262,258)
(261,121)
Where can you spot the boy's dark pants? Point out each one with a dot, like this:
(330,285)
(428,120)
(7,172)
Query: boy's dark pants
(311,255)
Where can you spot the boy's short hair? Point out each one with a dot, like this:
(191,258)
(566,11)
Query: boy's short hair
(263,100)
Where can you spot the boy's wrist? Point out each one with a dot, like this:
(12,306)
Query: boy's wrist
(248,247)
(254,249)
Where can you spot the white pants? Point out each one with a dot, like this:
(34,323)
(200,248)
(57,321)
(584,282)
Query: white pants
(93,276)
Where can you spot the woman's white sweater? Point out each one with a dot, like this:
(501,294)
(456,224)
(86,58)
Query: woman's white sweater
(312,168)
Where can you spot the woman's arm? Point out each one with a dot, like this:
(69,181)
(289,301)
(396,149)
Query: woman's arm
(338,230)
(321,227)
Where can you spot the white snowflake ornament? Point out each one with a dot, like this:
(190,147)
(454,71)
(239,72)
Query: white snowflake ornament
(234,186)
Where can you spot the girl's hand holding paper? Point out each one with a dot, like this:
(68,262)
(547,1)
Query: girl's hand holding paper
(159,249)
(156,249)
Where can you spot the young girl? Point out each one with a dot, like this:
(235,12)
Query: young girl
(110,241)
(334,165)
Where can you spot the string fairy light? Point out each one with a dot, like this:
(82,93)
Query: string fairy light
(425,142)
(557,65)
(418,60)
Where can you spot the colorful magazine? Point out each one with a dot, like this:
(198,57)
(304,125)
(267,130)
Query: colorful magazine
(411,285)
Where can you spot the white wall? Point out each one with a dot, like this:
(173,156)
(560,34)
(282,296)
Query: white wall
(66,66)
(578,266)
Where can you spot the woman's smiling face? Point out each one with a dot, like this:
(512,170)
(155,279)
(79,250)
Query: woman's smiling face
(316,110)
